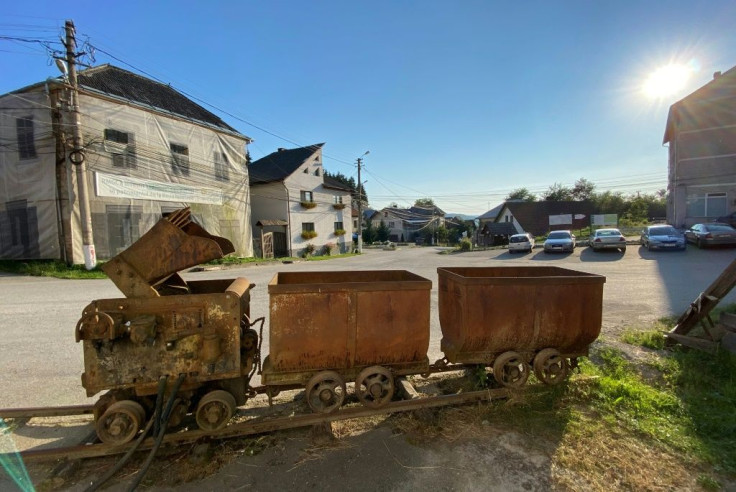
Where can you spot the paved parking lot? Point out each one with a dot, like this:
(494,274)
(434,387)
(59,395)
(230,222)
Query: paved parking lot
(41,364)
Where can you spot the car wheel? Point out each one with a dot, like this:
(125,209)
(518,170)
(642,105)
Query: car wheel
(530,250)
(649,246)
(699,243)
(623,250)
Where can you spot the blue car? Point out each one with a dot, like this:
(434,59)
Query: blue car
(662,236)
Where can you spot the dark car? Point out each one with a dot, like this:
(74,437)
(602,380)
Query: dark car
(662,237)
(712,234)
(729,219)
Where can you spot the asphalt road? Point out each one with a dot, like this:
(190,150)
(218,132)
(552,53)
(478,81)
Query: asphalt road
(40,363)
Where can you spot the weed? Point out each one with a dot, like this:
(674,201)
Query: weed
(50,268)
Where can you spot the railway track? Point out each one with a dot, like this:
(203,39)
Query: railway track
(241,429)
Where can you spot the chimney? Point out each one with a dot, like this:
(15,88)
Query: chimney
(281,149)
(716,74)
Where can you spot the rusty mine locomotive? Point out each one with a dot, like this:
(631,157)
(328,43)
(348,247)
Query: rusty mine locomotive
(196,340)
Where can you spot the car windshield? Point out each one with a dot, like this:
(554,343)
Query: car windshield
(519,239)
(662,231)
(559,235)
(607,232)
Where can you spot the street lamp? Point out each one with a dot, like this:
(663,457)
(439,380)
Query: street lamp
(360,204)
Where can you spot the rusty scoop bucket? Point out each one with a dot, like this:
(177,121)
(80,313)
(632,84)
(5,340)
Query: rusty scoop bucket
(173,244)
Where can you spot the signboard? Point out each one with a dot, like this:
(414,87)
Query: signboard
(604,220)
(144,189)
(564,219)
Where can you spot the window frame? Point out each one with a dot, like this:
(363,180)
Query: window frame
(306,196)
(339,226)
(25,133)
(307,226)
(179,159)
(222,167)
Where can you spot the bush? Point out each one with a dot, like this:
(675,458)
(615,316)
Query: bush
(308,250)
(309,234)
(466,245)
(339,232)
(328,248)
(308,204)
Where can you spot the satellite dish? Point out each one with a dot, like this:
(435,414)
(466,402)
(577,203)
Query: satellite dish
(61,65)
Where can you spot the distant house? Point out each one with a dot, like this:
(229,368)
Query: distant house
(297,204)
(701,133)
(406,224)
(538,218)
(148,150)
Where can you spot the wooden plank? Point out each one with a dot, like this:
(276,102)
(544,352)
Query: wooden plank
(406,389)
(728,321)
(729,342)
(693,342)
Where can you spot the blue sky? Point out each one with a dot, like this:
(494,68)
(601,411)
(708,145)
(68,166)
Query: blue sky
(458,101)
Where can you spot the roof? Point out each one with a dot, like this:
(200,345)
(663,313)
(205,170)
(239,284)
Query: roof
(534,216)
(114,81)
(492,213)
(279,165)
(499,229)
(704,108)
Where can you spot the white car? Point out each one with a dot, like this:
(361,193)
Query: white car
(608,239)
(521,242)
(562,241)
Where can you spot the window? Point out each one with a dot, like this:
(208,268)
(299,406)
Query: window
(391,225)
(222,170)
(306,196)
(179,159)
(26,144)
(306,171)
(707,205)
(316,172)
(337,199)
(339,226)
(121,146)
(307,226)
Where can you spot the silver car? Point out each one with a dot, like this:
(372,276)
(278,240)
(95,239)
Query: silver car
(559,241)
(521,242)
(662,237)
(608,239)
(712,234)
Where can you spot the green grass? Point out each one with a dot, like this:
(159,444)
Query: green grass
(50,268)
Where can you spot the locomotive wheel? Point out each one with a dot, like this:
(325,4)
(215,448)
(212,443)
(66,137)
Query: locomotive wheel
(374,386)
(215,409)
(510,370)
(550,367)
(325,392)
(121,422)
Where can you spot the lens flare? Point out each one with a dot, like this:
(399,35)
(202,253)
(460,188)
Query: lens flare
(667,81)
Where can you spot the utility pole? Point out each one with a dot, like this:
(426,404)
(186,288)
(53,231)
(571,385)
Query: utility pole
(360,204)
(76,155)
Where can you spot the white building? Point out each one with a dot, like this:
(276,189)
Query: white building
(297,205)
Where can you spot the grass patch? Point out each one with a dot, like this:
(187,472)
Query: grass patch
(50,268)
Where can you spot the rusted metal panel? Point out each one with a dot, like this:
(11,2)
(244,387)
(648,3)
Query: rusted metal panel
(196,334)
(173,244)
(345,321)
(489,310)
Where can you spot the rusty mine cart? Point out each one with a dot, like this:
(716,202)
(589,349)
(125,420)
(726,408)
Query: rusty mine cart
(194,337)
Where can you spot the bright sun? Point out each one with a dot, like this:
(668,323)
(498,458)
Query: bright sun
(666,81)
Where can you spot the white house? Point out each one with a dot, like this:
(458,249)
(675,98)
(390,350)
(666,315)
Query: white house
(296,205)
(148,150)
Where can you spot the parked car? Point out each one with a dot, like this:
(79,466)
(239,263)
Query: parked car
(521,242)
(559,241)
(608,239)
(662,236)
(712,234)
(729,219)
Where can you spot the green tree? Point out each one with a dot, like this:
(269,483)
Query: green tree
(382,232)
(424,202)
(369,233)
(557,193)
(350,183)
(442,234)
(610,202)
(522,194)
(583,190)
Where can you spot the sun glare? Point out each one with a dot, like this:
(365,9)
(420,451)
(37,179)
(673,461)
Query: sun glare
(666,81)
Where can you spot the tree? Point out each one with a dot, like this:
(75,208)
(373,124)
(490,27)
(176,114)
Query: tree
(350,183)
(382,232)
(557,193)
(369,233)
(442,234)
(521,194)
(424,202)
(583,190)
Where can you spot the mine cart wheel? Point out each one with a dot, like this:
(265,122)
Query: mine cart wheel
(325,392)
(511,370)
(374,386)
(121,422)
(550,367)
(215,409)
